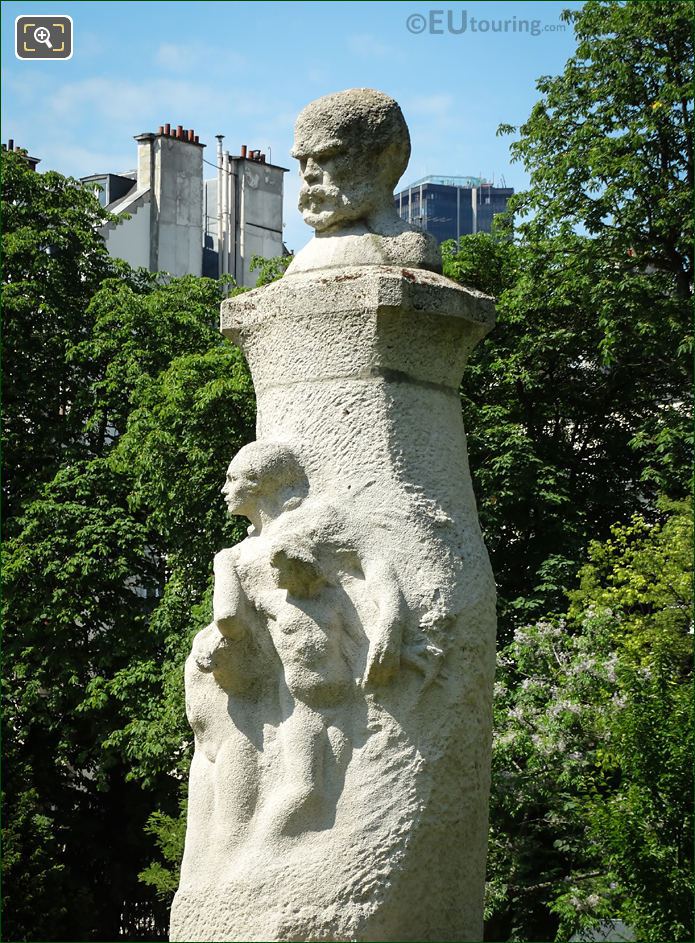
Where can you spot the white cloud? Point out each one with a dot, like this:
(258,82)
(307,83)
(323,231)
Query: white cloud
(172,56)
(91,45)
(87,126)
(131,105)
(79,160)
(317,76)
(368,46)
(189,57)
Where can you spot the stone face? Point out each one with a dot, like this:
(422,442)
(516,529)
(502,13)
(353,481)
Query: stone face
(341,696)
(352,149)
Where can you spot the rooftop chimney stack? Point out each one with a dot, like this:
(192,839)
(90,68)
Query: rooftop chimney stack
(16,149)
(145,168)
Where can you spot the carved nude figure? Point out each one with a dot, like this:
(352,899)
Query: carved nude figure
(338,632)
(336,625)
(263,480)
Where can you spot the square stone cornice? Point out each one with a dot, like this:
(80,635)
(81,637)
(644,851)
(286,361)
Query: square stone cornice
(361,322)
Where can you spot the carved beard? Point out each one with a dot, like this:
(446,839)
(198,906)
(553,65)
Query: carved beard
(325,205)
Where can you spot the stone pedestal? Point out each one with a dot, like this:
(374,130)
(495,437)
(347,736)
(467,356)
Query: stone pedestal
(339,788)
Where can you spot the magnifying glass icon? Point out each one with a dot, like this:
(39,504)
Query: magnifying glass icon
(43,35)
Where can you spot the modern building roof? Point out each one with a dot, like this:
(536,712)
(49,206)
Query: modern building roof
(450,182)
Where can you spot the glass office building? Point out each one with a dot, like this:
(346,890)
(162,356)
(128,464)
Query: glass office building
(450,207)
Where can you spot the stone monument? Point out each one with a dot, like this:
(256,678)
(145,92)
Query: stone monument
(341,696)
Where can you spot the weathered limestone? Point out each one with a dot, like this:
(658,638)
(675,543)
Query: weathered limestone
(352,149)
(341,696)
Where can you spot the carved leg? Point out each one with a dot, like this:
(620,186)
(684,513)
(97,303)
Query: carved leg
(297,803)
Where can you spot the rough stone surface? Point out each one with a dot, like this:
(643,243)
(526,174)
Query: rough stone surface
(341,696)
(352,149)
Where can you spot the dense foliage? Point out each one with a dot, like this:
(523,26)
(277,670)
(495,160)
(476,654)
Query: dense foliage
(578,413)
(592,799)
(123,405)
(577,405)
(111,513)
(609,145)
(53,261)
(566,437)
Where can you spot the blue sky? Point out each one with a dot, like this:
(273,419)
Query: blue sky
(245,69)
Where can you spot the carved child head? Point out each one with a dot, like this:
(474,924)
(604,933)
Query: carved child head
(261,478)
(316,548)
(352,147)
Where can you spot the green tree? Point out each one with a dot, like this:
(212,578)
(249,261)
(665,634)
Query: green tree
(592,799)
(185,426)
(100,582)
(269,270)
(577,408)
(564,440)
(74,604)
(53,261)
(577,405)
(103,569)
(609,146)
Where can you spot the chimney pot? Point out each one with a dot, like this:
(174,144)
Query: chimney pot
(161,129)
(191,135)
(243,150)
(179,131)
(167,129)
(10,145)
(196,140)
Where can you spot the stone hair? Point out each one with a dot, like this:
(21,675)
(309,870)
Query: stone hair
(361,119)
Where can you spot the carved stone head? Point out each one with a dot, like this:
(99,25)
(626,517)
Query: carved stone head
(352,148)
(261,478)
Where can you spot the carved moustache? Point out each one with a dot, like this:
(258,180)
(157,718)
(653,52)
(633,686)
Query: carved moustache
(309,196)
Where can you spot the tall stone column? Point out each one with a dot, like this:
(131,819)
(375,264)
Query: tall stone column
(341,696)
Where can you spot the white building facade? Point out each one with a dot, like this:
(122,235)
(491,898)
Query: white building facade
(171,218)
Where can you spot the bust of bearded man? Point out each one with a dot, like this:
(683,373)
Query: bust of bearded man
(353,148)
